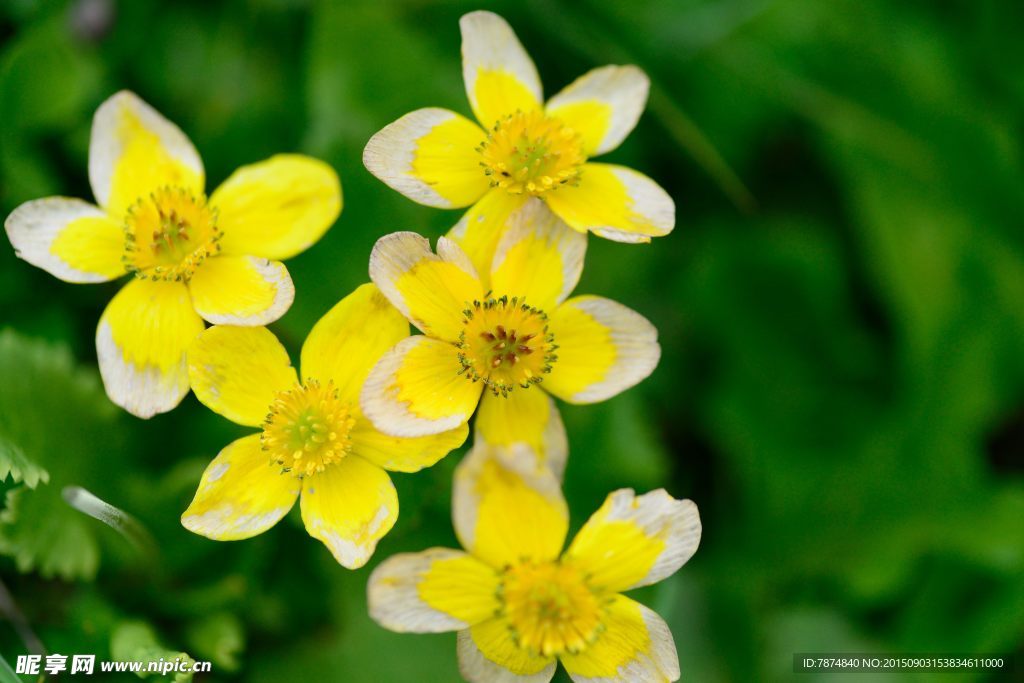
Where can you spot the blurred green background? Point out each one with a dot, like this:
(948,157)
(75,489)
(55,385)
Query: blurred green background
(841,308)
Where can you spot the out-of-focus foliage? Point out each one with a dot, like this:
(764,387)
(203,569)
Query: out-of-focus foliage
(135,642)
(841,308)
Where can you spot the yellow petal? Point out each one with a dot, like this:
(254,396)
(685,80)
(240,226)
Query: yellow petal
(616,203)
(634,541)
(430,156)
(68,238)
(141,342)
(538,257)
(507,507)
(347,342)
(603,105)
(134,150)
(636,645)
(478,231)
(241,290)
(500,76)
(524,418)
(487,654)
(241,494)
(349,507)
(416,389)
(277,208)
(237,371)
(434,591)
(431,290)
(404,454)
(603,348)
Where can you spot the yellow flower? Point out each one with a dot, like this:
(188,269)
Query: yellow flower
(503,337)
(192,258)
(525,148)
(315,442)
(520,604)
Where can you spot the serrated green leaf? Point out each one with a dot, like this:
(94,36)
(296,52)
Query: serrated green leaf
(43,535)
(57,417)
(15,464)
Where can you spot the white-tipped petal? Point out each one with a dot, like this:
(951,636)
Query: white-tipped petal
(634,541)
(241,290)
(416,389)
(604,348)
(68,238)
(429,155)
(500,76)
(134,150)
(141,343)
(602,105)
(487,654)
(433,591)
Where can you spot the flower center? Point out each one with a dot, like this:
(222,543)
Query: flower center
(307,429)
(505,343)
(169,233)
(531,153)
(550,608)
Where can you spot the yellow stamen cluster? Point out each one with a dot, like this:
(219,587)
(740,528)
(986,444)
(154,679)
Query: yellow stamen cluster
(168,234)
(531,153)
(550,608)
(505,343)
(307,429)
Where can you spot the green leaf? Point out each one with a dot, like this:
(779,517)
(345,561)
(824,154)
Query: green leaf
(56,417)
(14,463)
(43,535)
(135,641)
